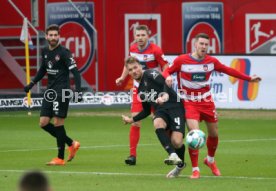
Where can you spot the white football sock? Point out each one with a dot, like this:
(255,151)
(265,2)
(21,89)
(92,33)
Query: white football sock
(196,168)
(210,159)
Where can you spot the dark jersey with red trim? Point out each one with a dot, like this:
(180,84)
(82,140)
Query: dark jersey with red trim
(57,63)
(152,86)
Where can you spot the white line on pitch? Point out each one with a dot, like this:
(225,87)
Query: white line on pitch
(114,146)
(248,140)
(139,174)
(82,147)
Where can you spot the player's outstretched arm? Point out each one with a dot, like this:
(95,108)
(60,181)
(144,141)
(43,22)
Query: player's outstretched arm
(119,81)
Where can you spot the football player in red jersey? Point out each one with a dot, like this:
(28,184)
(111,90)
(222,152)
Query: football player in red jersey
(150,56)
(194,71)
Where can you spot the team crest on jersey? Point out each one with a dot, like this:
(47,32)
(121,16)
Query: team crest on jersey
(50,64)
(57,57)
(145,57)
(205,67)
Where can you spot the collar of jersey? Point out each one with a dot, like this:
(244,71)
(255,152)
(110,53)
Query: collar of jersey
(54,48)
(198,60)
(142,50)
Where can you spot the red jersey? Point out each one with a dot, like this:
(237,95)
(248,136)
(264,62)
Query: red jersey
(150,57)
(194,74)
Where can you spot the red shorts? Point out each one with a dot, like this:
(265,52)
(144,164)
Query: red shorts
(136,105)
(201,110)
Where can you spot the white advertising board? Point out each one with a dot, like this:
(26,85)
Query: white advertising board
(238,95)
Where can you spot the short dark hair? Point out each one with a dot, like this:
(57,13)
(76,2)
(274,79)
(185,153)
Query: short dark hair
(142,27)
(131,60)
(202,35)
(52,27)
(33,181)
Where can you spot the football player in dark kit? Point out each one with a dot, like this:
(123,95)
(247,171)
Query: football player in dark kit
(57,62)
(168,112)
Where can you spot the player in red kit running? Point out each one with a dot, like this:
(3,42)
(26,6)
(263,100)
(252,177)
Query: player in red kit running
(194,71)
(151,57)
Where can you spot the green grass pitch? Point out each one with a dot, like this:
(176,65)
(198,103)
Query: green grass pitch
(246,154)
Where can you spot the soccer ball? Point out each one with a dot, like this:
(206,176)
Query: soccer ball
(195,139)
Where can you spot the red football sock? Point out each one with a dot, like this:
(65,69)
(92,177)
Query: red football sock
(134,136)
(194,157)
(212,144)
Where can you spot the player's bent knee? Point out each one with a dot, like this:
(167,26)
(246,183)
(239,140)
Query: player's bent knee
(159,123)
(177,143)
(58,121)
(43,121)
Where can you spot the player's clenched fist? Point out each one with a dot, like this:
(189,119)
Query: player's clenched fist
(28,87)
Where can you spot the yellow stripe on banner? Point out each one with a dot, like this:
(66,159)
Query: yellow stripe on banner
(234,64)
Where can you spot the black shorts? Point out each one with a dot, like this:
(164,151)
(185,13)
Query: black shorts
(57,108)
(174,117)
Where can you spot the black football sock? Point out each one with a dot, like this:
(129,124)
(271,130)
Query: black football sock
(181,153)
(50,129)
(61,136)
(164,140)
(68,140)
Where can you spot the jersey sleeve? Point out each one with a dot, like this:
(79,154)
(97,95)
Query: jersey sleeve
(230,71)
(69,60)
(72,66)
(175,67)
(144,113)
(160,57)
(42,70)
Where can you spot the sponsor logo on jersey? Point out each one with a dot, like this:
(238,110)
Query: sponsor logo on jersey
(205,67)
(198,77)
(50,64)
(247,91)
(260,33)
